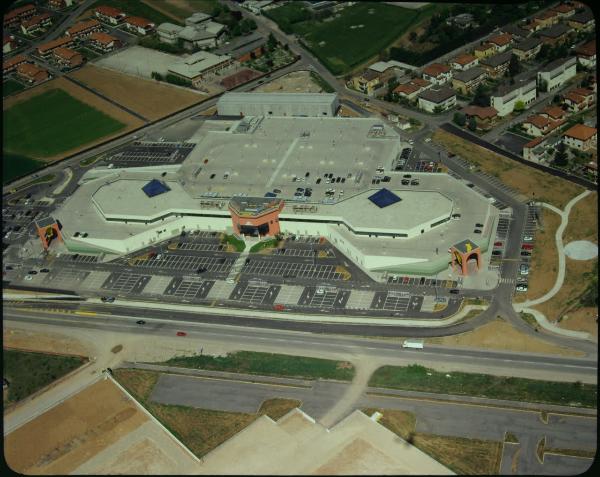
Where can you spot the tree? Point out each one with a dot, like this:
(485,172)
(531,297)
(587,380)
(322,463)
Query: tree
(472,123)
(544,51)
(481,97)
(514,67)
(460,119)
(412,36)
(271,41)
(560,155)
(216,10)
(556,99)
(519,106)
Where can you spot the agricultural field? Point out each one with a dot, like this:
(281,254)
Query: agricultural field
(15,165)
(53,122)
(10,87)
(147,98)
(136,9)
(351,36)
(28,372)
(181,9)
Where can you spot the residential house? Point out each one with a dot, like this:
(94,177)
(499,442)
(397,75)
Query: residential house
(555,35)
(59,4)
(516,31)
(582,21)
(104,41)
(196,67)
(15,16)
(467,81)
(9,65)
(36,23)
(388,69)
(434,100)
(464,62)
(496,65)
(32,73)
(591,168)
(508,95)
(367,82)
(46,49)
(110,15)
(501,42)
(462,20)
(586,54)
(527,49)
(556,73)
(534,149)
(485,117)
(257,6)
(580,137)
(168,32)
(139,25)
(483,51)
(579,99)
(553,112)
(84,29)
(564,10)
(206,35)
(8,43)
(546,19)
(250,50)
(411,89)
(538,125)
(67,58)
(437,74)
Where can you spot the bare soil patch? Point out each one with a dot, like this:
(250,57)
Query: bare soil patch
(528,181)
(148,98)
(543,268)
(583,220)
(502,336)
(158,6)
(278,407)
(63,438)
(43,342)
(84,96)
(296,82)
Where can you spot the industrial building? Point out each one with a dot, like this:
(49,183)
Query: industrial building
(278,104)
(251,176)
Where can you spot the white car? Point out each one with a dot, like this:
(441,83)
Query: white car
(28,277)
(428,139)
(521,287)
(524,269)
(527,238)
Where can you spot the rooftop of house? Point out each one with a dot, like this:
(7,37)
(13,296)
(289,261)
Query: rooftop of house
(480,112)
(436,69)
(437,95)
(470,74)
(581,132)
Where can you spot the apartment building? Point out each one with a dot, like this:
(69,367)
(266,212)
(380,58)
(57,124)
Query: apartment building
(556,73)
(508,95)
(467,81)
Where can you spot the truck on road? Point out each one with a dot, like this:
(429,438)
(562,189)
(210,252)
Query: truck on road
(415,344)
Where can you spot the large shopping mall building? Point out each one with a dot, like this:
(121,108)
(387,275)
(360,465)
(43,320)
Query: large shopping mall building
(248,175)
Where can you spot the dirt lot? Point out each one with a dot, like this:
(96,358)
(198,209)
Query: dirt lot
(296,82)
(523,179)
(544,259)
(69,434)
(83,96)
(583,220)
(148,98)
(488,336)
(566,300)
(47,342)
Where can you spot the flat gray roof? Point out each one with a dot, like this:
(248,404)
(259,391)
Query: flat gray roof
(469,74)
(302,98)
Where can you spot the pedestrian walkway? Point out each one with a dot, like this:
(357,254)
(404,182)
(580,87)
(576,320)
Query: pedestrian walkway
(237,266)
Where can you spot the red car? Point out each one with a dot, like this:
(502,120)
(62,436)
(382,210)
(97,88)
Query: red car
(527,246)
(497,244)
(181,333)
(278,307)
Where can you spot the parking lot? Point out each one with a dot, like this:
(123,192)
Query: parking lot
(65,277)
(199,247)
(291,270)
(324,297)
(427,166)
(500,241)
(152,153)
(423,281)
(126,282)
(186,263)
(77,258)
(304,252)
(255,292)
(513,143)
(396,301)
(189,288)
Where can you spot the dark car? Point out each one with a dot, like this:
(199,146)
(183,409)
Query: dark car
(107,299)
(212,176)
(414,182)
(9,267)
(386,179)
(277,191)
(479,225)
(476,231)
(32,272)
(343,180)
(407,176)
(405,182)
(140,322)
(318,181)
(307,174)
(455,291)
(201,270)
(337,179)
(470,185)
(525,253)
(497,252)
(44,270)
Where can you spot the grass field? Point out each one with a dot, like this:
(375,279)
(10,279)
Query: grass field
(263,244)
(10,87)
(526,180)
(268,364)
(352,36)
(583,220)
(53,122)
(29,372)
(137,9)
(16,165)
(237,244)
(182,8)
(420,378)
(463,456)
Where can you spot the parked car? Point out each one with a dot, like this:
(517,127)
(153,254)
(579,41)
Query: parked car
(43,270)
(405,182)
(181,333)
(522,287)
(479,226)
(527,246)
(497,244)
(527,238)
(456,216)
(414,182)
(497,252)
(28,277)
(455,291)
(524,269)
(140,322)
(32,272)
(476,231)
(525,253)
(107,299)
(407,176)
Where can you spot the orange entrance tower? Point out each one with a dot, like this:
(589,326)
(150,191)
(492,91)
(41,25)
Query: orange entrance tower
(48,229)
(462,252)
(256,216)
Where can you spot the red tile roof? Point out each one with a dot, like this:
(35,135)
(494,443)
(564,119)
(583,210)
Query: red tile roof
(501,40)
(30,70)
(102,37)
(420,82)
(480,112)
(65,53)
(54,44)
(534,142)
(15,60)
(484,47)
(83,26)
(581,132)
(8,39)
(109,11)
(406,88)
(545,15)
(587,49)
(35,20)
(538,121)
(436,69)
(17,12)
(464,59)
(554,112)
(564,8)
(574,97)
(138,21)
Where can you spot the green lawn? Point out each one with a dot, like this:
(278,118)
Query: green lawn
(53,122)
(419,378)
(28,372)
(137,9)
(15,165)
(10,87)
(239,245)
(268,364)
(342,43)
(269,243)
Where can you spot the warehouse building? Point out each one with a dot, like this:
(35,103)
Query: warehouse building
(196,67)
(278,104)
